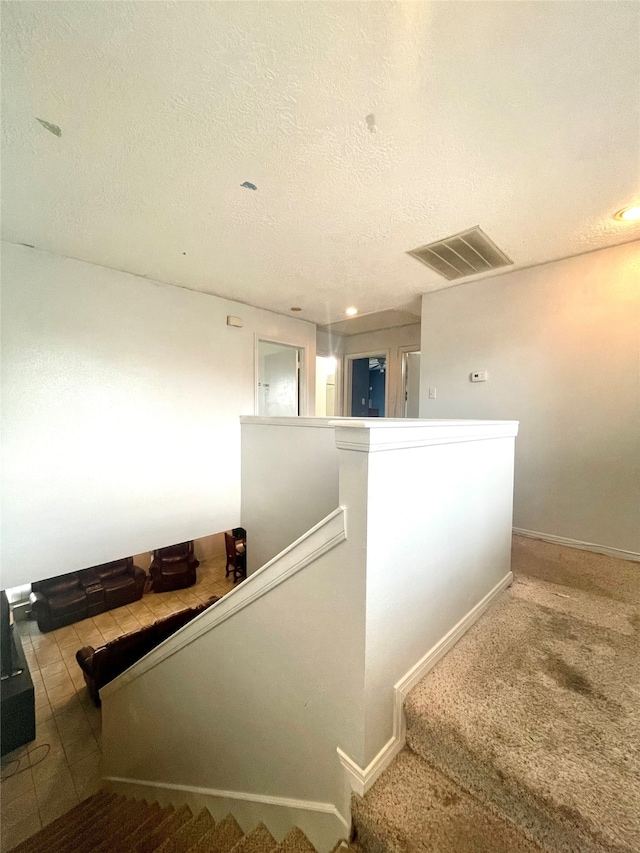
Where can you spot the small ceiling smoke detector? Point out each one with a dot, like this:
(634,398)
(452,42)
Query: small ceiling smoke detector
(629,214)
(350,312)
(468,253)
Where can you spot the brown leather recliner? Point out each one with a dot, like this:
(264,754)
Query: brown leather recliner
(122,581)
(58,601)
(173,567)
(69,598)
(100,666)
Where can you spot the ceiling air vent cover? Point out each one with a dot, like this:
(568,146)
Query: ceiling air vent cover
(468,253)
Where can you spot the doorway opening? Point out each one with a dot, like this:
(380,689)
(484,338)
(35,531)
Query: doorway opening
(411,383)
(279,370)
(367,386)
(326,386)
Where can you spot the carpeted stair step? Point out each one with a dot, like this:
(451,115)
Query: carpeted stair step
(295,841)
(259,840)
(189,833)
(413,808)
(61,826)
(84,828)
(221,839)
(535,712)
(119,838)
(106,823)
(92,835)
(171,823)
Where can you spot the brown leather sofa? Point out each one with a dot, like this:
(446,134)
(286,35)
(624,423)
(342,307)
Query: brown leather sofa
(173,567)
(59,601)
(100,666)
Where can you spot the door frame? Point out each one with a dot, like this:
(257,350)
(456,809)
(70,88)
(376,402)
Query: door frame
(403,351)
(303,379)
(346,398)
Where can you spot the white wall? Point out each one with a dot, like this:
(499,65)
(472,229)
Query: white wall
(121,404)
(256,703)
(254,699)
(561,345)
(289,481)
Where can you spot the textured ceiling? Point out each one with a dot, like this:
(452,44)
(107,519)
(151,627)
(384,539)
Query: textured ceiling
(520,117)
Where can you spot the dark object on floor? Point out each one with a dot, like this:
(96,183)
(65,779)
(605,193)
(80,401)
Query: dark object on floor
(173,567)
(17,699)
(68,598)
(100,666)
(235,543)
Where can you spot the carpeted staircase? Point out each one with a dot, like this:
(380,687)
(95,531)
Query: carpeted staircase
(107,823)
(526,736)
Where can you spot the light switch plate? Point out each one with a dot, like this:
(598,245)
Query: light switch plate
(479,376)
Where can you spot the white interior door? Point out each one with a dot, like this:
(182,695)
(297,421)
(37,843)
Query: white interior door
(278,380)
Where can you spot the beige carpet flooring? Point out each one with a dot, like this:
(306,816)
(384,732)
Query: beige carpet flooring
(534,716)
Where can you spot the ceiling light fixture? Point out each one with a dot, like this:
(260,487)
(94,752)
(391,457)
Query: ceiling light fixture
(629,214)
(351,311)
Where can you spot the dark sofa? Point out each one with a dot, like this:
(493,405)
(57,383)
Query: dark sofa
(59,601)
(100,666)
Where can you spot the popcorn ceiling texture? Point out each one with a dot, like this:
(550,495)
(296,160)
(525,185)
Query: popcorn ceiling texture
(165,109)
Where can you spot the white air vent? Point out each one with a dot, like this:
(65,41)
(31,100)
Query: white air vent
(468,253)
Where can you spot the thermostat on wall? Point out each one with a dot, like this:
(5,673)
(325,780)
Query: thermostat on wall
(234,321)
(479,376)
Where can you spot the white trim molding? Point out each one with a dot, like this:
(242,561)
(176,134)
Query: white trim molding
(321,822)
(576,543)
(371,435)
(324,536)
(361,779)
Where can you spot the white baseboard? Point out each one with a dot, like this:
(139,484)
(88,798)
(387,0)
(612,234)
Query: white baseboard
(322,823)
(361,779)
(575,543)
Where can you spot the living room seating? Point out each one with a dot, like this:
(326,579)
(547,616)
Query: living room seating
(173,567)
(101,665)
(235,543)
(65,599)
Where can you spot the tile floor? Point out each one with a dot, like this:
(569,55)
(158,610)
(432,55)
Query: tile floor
(48,776)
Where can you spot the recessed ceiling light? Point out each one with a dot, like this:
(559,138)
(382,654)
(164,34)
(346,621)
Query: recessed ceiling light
(295,309)
(351,311)
(629,214)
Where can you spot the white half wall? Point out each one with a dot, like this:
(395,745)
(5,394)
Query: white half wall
(121,405)
(438,538)
(561,345)
(289,481)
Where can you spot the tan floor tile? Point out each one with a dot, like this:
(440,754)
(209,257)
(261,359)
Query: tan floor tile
(47,656)
(23,829)
(57,805)
(43,641)
(14,811)
(85,770)
(70,642)
(44,713)
(73,720)
(56,678)
(61,690)
(63,633)
(47,766)
(65,703)
(17,785)
(78,749)
(17,765)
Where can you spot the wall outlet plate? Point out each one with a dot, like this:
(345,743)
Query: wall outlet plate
(479,376)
